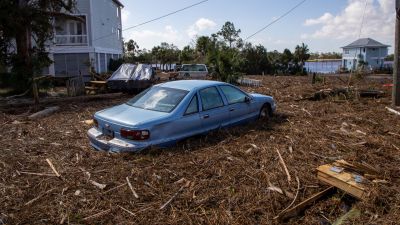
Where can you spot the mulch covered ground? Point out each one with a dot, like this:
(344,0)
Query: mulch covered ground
(222,178)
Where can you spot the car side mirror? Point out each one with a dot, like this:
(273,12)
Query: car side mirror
(247,99)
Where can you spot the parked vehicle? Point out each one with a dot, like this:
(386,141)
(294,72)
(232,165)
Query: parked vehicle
(132,78)
(172,111)
(193,71)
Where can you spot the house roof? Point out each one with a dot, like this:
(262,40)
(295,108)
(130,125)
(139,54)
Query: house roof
(365,42)
(118,3)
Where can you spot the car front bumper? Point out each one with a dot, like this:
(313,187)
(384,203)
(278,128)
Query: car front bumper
(98,142)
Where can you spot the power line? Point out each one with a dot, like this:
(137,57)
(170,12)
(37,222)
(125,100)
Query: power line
(146,22)
(276,20)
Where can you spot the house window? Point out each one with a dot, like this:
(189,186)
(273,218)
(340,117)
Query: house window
(119,34)
(346,51)
(71,32)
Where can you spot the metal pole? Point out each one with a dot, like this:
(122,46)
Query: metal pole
(396,65)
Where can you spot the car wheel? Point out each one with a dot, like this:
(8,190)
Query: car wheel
(265,113)
(187,75)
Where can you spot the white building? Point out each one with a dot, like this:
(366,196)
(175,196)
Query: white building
(372,53)
(93,41)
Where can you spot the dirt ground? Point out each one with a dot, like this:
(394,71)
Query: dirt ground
(221,178)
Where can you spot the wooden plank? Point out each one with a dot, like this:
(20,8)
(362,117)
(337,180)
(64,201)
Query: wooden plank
(343,180)
(297,209)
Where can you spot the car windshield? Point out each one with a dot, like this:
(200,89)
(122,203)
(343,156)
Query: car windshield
(158,99)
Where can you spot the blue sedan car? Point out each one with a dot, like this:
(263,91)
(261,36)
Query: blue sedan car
(172,111)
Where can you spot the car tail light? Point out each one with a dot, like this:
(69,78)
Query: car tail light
(95,122)
(135,134)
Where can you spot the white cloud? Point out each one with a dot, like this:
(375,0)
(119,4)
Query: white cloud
(379,21)
(200,25)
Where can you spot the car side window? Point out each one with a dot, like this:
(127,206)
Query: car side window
(232,94)
(210,98)
(193,106)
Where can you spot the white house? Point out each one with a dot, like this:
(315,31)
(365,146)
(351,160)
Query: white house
(94,41)
(366,50)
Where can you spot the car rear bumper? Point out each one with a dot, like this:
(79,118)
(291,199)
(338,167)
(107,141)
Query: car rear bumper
(98,142)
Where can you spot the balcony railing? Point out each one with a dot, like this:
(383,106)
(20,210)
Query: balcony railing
(71,39)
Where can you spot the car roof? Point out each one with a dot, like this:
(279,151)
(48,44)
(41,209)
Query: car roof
(190,85)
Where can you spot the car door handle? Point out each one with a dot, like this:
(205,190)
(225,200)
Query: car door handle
(206,116)
(232,109)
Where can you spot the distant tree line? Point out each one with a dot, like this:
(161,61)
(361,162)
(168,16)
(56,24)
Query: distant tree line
(225,53)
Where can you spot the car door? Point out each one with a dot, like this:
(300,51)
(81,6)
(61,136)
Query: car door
(215,113)
(189,124)
(239,104)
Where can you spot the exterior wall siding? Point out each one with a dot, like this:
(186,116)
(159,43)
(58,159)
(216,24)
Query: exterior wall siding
(106,25)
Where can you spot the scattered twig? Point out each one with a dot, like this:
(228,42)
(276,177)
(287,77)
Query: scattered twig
(284,166)
(174,196)
(53,168)
(133,214)
(39,196)
(130,186)
(325,157)
(38,174)
(294,199)
(393,111)
(112,189)
(97,214)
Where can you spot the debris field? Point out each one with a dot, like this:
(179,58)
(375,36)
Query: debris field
(241,175)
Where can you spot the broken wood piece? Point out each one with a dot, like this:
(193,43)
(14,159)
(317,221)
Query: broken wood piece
(97,214)
(284,166)
(101,186)
(294,199)
(174,196)
(89,122)
(130,186)
(297,209)
(46,112)
(393,111)
(53,168)
(346,181)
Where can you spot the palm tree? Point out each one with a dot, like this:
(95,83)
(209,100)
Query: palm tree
(301,54)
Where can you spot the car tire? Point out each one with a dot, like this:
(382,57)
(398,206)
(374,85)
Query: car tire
(265,113)
(187,75)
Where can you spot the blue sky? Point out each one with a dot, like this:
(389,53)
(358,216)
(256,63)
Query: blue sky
(324,25)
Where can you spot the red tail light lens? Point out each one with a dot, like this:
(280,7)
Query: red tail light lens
(96,124)
(135,134)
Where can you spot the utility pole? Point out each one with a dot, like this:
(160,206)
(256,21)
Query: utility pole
(396,63)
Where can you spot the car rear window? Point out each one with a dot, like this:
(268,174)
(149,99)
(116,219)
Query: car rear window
(160,99)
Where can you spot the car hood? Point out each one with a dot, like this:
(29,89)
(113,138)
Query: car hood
(128,115)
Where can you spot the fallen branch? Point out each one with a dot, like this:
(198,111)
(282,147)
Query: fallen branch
(97,214)
(174,196)
(44,113)
(39,196)
(53,168)
(393,111)
(284,166)
(130,186)
(325,157)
